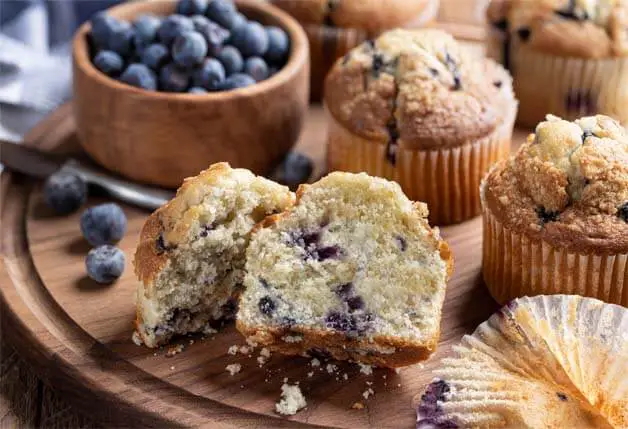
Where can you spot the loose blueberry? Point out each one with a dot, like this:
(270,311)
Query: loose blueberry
(155,56)
(434,393)
(173,78)
(197,90)
(189,49)
(546,216)
(256,68)
(266,306)
(231,60)
(210,75)
(251,39)
(109,62)
(64,192)
(121,39)
(105,263)
(237,80)
(238,21)
(223,12)
(139,75)
(103,224)
(146,27)
(191,7)
(293,170)
(102,27)
(214,34)
(278,45)
(622,212)
(173,26)
(355,303)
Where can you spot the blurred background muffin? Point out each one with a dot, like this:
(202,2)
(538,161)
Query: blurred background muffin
(336,26)
(567,57)
(415,107)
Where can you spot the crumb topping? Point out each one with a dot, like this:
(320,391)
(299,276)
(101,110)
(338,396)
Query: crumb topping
(567,183)
(292,400)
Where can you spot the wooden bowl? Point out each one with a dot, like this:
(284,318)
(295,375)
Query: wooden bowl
(160,138)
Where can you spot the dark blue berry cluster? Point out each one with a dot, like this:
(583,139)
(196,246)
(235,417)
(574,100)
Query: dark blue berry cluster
(205,46)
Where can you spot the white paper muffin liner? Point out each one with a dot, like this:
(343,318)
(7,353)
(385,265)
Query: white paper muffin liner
(555,361)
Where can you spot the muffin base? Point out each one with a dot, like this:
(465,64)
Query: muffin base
(515,265)
(568,87)
(447,179)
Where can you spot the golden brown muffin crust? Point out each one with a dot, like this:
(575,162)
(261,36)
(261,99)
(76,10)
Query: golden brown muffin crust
(420,89)
(568,185)
(579,28)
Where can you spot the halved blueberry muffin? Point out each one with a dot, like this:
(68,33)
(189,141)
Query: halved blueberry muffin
(352,270)
(190,259)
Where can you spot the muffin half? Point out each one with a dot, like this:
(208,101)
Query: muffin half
(556,213)
(416,108)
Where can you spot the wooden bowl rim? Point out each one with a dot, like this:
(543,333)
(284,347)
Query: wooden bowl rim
(299,54)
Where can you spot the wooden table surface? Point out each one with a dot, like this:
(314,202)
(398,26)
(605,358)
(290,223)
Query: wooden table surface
(25,401)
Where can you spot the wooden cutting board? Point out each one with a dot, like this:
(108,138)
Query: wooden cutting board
(77,334)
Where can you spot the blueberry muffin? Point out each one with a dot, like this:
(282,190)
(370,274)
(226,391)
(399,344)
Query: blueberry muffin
(415,107)
(567,57)
(352,270)
(190,258)
(553,362)
(556,213)
(336,26)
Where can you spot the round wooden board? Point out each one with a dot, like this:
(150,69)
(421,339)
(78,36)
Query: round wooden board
(77,334)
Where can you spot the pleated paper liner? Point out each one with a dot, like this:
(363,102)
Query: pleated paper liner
(567,87)
(515,265)
(555,361)
(448,179)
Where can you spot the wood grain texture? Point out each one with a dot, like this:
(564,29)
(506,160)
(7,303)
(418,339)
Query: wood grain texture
(160,138)
(76,334)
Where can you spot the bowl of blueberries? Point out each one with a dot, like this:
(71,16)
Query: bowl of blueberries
(164,88)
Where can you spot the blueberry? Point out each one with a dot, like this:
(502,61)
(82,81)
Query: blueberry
(102,26)
(344,291)
(105,263)
(173,78)
(524,33)
(139,75)
(146,27)
(327,252)
(339,322)
(622,212)
(214,34)
(189,49)
(231,59)
(237,80)
(191,7)
(238,21)
(64,192)
(251,39)
(103,224)
(121,39)
(266,306)
(293,170)
(210,75)
(155,56)
(256,68)
(355,303)
(278,45)
(197,90)
(173,26)
(546,216)
(401,243)
(223,12)
(109,62)
(562,396)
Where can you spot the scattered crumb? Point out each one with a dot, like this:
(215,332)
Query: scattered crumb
(399,385)
(245,350)
(175,350)
(172,368)
(285,379)
(384,376)
(357,405)
(331,368)
(155,354)
(345,376)
(233,350)
(242,386)
(368,392)
(251,342)
(310,374)
(292,338)
(292,400)
(208,330)
(366,369)
(191,342)
(397,370)
(265,352)
(315,362)
(137,340)
(261,360)
(233,368)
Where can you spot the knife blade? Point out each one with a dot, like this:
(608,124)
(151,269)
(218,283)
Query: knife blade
(33,162)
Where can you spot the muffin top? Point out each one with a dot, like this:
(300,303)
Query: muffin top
(568,185)
(370,15)
(418,89)
(579,28)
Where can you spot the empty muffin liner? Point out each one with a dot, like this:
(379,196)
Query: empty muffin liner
(447,179)
(546,361)
(515,265)
(567,87)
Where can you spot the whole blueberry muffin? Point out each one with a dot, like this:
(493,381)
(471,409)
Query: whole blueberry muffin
(352,271)
(556,213)
(546,362)
(336,26)
(190,258)
(415,107)
(567,57)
